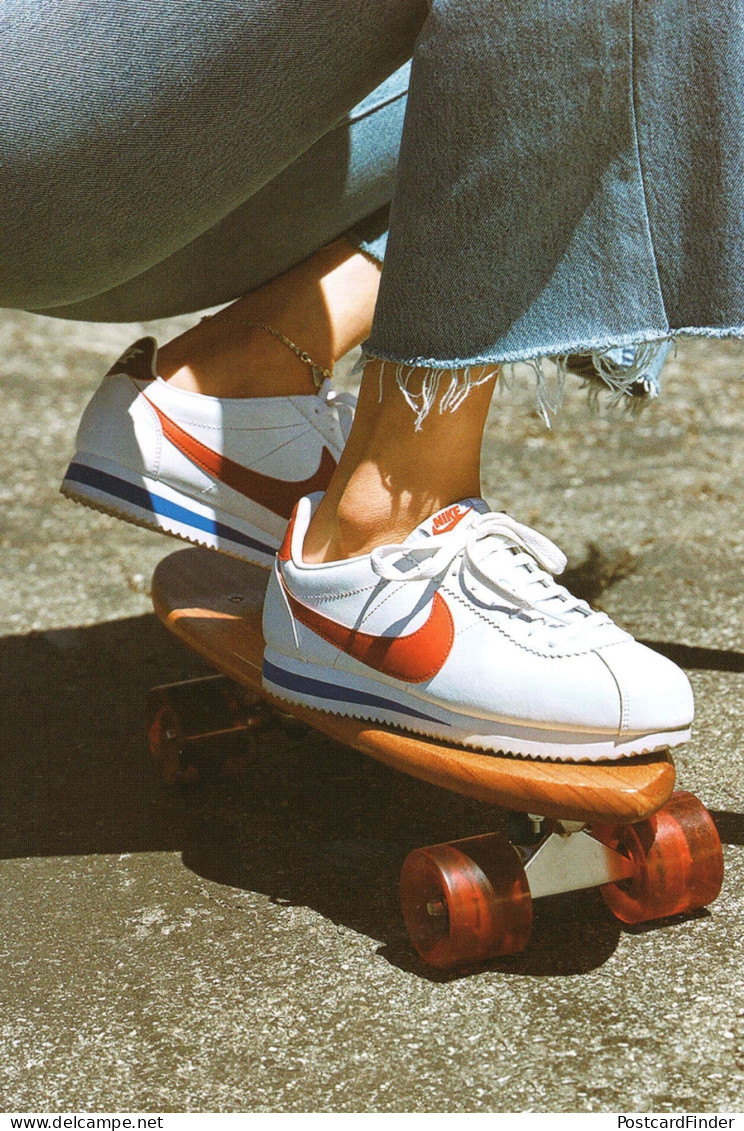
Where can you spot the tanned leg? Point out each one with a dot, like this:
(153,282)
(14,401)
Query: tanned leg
(324,304)
(391,477)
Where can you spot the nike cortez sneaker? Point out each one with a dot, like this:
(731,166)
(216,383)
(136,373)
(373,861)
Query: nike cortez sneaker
(223,473)
(461,633)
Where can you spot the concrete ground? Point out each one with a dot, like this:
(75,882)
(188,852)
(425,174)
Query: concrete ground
(240,948)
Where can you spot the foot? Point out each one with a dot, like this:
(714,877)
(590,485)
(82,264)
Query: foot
(461,633)
(222,472)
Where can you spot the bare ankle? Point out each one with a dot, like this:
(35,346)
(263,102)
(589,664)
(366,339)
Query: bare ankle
(324,305)
(229,359)
(391,477)
(368,515)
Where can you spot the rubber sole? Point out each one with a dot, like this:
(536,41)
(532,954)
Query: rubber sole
(156,506)
(341,693)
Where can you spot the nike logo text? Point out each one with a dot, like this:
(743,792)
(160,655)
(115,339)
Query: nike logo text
(447,520)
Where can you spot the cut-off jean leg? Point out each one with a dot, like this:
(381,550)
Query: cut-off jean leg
(130,130)
(341,186)
(569,180)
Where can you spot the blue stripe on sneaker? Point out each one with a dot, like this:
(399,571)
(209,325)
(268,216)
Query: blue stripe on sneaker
(305,685)
(141,497)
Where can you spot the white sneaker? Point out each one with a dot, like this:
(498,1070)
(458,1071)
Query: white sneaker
(461,633)
(224,473)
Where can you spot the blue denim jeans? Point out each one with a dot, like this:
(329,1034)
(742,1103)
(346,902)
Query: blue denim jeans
(159,158)
(569,177)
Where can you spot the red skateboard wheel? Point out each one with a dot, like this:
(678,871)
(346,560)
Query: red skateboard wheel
(677,858)
(467,901)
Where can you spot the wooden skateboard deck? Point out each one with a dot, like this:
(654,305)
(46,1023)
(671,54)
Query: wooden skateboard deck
(616,825)
(213,604)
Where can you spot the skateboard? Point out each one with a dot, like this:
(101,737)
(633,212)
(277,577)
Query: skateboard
(653,852)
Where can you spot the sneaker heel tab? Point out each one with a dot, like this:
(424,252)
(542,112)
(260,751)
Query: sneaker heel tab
(139,361)
(284,553)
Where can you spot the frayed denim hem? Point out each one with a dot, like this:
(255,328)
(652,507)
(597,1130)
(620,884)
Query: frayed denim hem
(461,381)
(631,385)
(631,381)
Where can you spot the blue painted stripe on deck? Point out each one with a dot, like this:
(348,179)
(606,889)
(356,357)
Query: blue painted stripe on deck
(305,685)
(141,497)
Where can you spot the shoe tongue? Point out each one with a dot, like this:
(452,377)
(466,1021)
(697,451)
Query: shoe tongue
(448,518)
(138,361)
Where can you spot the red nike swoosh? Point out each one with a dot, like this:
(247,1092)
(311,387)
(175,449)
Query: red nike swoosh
(412,658)
(277,495)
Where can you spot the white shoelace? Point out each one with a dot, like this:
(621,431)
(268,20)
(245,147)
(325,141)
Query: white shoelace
(510,559)
(343,403)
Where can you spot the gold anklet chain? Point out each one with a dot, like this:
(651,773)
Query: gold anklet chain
(319,373)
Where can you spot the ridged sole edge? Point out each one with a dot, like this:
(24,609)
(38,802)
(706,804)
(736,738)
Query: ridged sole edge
(108,497)
(429,727)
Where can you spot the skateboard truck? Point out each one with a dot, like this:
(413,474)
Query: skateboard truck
(568,858)
(560,855)
(565,859)
(471,900)
(198,728)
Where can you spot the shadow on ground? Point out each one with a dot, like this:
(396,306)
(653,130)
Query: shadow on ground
(311,823)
